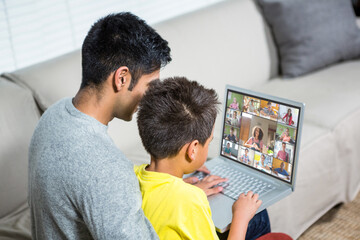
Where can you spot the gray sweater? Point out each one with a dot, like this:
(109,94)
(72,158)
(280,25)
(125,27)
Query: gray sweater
(81,186)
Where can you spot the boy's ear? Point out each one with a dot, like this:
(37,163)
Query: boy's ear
(192,150)
(121,77)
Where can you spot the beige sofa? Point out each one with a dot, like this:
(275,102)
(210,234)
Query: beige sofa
(227,43)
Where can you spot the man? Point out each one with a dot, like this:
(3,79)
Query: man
(282,171)
(81,186)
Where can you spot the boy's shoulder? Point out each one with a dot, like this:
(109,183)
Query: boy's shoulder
(158,183)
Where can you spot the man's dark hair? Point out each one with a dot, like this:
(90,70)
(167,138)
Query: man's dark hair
(173,113)
(117,40)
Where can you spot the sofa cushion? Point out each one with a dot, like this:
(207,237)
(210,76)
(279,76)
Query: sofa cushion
(18,118)
(312,34)
(330,94)
(16,225)
(51,80)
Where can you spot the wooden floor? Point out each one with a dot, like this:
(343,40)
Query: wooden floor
(342,222)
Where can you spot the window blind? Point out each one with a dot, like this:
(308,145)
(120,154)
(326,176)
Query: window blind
(32,31)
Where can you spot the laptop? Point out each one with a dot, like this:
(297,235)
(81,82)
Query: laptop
(259,150)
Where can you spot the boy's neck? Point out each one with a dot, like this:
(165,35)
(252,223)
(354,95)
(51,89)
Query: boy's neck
(170,166)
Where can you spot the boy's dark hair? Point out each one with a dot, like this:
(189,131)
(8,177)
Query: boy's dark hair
(173,113)
(117,40)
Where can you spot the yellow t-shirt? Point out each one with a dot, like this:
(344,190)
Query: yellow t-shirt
(177,210)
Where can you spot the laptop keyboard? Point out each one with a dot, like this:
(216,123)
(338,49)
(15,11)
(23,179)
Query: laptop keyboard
(238,182)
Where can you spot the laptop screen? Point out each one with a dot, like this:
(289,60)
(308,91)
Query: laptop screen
(260,133)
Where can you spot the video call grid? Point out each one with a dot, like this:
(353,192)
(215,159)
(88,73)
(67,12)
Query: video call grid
(275,157)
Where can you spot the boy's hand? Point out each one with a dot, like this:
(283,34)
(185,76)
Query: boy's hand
(207,184)
(246,205)
(203,169)
(193,180)
(243,210)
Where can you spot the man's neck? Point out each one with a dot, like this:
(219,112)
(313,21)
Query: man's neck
(90,102)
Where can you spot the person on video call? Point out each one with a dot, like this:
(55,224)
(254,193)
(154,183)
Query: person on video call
(282,171)
(235,120)
(282,154)
(252,108)
(263,163)
(234,105)
(227,150)
(255,141)
(287,118)
(285,136)
(267,111)
(231,137)
(245,158)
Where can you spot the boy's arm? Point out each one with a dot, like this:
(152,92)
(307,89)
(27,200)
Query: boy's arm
(244,210)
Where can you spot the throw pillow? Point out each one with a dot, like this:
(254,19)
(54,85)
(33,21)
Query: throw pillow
(312,34)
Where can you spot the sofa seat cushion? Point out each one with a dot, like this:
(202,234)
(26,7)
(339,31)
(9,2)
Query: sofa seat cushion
(18,118)
(17,224)
(330,95)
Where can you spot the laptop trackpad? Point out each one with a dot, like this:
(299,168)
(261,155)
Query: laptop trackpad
(221,209)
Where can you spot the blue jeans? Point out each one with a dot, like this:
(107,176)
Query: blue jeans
(259,225)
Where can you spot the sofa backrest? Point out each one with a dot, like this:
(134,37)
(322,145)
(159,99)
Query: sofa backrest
(18,118)
(51,80)
(227,43)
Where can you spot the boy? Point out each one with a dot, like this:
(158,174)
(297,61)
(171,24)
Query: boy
(176,123)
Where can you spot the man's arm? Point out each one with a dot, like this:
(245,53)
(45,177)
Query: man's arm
(111,205)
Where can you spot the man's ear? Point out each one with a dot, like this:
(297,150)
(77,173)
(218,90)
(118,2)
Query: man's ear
(121,77)
(192,150)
